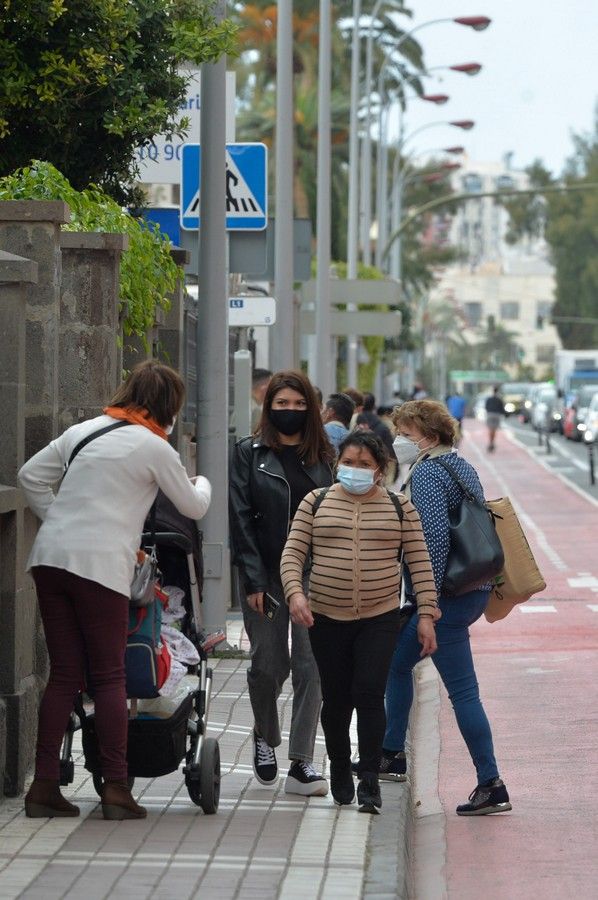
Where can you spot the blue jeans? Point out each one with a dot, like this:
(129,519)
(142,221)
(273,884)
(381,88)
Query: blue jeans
(454,663)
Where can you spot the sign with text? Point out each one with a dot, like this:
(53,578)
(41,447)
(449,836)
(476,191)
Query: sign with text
(160,161)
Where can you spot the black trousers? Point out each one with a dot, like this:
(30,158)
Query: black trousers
(353,659)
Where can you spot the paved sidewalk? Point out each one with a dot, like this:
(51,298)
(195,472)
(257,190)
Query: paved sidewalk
(262,843)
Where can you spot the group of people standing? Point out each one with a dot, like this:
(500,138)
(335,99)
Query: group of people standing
(314,524)
(323,545)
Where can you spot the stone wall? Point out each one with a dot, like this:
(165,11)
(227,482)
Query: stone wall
(61,362)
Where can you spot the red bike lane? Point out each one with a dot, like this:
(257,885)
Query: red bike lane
(538,675)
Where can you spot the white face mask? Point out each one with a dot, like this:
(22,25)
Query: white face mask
(406,450)
(170,428)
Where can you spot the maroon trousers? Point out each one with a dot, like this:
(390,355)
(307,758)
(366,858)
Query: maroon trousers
(86,631)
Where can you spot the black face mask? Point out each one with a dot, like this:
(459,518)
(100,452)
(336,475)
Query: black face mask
(288,421)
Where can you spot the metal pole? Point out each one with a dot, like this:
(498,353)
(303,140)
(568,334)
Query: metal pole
(212,340)
(324,361)
(353,217)
(366,162)
(283,345)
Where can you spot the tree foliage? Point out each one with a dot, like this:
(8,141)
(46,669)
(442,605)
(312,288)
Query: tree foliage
(147,271)
(569,221)
(83,83)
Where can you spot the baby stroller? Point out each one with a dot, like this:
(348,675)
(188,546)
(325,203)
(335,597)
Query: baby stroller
(156,746)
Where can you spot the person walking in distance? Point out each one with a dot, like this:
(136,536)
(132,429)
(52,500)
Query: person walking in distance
(495,410)
(355,532)
(83,560)
(336,417)
(425,434)
(259,385)
(270,474)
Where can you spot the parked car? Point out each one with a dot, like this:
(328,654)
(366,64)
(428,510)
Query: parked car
(576,410)
(590,433)
(546,414)
(514,395)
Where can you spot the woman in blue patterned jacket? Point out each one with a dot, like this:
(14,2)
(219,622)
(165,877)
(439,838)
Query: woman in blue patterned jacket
(426,431)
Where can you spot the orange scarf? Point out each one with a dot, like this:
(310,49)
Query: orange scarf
(136,417)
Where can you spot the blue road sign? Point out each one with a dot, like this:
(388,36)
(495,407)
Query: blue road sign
(246,187)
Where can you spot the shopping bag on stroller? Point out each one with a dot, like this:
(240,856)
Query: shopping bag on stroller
(147,660)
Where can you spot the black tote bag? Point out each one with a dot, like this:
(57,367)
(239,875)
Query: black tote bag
(475,554)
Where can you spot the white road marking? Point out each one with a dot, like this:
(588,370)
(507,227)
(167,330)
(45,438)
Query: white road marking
(587,581)
(537,609)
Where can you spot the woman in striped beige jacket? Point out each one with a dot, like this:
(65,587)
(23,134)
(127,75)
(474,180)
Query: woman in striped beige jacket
(356,534)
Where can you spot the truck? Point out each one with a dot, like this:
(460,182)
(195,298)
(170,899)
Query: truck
(574,368)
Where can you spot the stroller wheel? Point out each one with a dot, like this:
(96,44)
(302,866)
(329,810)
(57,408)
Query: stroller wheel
(98,783)
(209,776)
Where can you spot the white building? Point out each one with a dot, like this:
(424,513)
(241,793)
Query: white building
(511,285)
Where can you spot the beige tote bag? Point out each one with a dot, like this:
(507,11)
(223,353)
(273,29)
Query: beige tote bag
(520,577)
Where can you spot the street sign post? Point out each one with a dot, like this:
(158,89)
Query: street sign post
(246,187)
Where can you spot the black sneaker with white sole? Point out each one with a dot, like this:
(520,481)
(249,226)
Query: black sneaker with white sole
(485,799)
(368,794)
(304,780)
(393,767)
(265,766)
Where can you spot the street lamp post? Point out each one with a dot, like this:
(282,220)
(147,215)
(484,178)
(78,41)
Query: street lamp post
(353,211)
(323,362)
(397,188)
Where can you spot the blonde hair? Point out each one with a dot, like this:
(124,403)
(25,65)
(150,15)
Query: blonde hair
(429,416)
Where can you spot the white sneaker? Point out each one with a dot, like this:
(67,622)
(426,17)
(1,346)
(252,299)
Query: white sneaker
(303,779)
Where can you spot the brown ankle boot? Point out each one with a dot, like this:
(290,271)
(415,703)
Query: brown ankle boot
(117,802)
(44,800)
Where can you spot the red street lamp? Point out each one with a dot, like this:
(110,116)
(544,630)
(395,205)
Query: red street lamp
(467,68)
(478,23)
(438,99)
(465,124)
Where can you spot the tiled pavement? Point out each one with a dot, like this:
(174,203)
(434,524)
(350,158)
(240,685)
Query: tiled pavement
(262,843)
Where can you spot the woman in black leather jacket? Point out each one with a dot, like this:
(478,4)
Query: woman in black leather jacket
(270,474)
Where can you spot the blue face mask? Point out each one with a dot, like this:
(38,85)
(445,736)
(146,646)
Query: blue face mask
(355,481)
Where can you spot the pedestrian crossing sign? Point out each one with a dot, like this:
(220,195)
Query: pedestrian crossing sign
(246,187)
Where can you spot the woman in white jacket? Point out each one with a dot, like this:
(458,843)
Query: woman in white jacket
(83,560)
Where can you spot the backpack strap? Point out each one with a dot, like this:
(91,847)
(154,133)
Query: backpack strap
(396,502)
(318,500)
(92,437)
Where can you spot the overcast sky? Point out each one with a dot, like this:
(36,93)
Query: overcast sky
(538,85)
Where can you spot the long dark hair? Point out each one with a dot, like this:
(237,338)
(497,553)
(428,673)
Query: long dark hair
(314,446)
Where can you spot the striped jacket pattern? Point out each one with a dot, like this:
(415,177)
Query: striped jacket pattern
(355,544)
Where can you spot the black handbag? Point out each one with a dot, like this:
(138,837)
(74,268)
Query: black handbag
(475,554)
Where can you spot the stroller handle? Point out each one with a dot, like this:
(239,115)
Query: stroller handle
(169,539)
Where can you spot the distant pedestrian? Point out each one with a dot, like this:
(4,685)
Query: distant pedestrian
(336,417)
(357,398)
(425,433)
(456,405)
(495,410)
(259,385)
(355,539)
(270,474)
(419,392)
